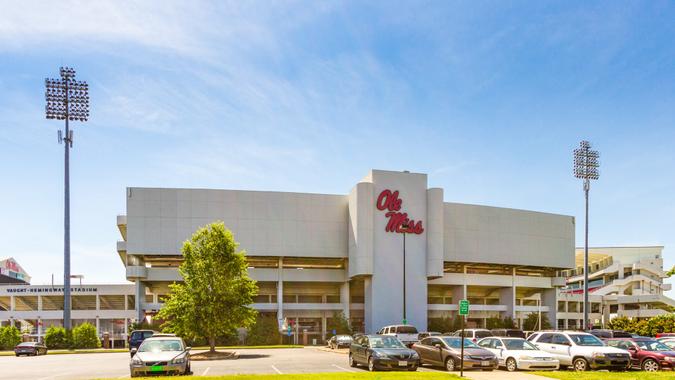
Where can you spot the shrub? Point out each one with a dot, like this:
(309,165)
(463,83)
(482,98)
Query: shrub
(84,336)
(265,331)
(10,336)
(339,323)
(56,337)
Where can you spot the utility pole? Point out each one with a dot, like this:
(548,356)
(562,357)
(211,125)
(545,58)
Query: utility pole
(586,164)
(68,100)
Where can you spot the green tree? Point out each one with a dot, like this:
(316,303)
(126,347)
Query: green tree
(532,320)
(215,295)
(84,336)
(493,323)
(10,336)
(265,331)
(55,338)
(339,323)
(620,323)
(671,271)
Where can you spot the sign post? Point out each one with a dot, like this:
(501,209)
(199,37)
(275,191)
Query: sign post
(463,312)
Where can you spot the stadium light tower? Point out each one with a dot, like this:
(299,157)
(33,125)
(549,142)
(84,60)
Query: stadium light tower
(586,164)
(67,99)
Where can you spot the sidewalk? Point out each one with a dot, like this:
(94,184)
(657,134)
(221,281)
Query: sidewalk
(501,375)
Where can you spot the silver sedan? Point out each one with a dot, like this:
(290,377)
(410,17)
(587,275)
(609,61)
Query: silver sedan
(160,355)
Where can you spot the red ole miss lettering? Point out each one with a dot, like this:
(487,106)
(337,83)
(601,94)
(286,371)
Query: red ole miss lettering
(389,201)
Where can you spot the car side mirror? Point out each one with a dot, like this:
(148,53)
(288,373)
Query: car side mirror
(632,348)
(134,350)
(188,348)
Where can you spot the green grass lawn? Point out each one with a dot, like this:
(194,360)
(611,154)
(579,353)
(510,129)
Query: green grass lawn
(326,376)
(591,375)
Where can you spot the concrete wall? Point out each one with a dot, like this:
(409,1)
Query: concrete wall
(483,234)
(264,223)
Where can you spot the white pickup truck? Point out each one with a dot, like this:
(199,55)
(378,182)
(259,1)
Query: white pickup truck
(407,334)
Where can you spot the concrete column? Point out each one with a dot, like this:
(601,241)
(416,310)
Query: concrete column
(323,327)
(458,293)
(434,232)
(344,298)
(140,300)
(39,328)
(98,302)
(39,305)
(280,292)
(368,307)
(12,304)
(549,297)
(98,326)
(507,296)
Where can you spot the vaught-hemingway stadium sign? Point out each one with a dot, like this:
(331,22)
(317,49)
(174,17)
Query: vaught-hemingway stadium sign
(398,221)
(50,289)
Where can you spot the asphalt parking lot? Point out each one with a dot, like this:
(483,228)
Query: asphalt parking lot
(115,365)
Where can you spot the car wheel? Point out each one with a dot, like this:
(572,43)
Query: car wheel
(580,364)
(450,364)
(650,365)
(511,364)
(371,364)
(352,362)
(412,369)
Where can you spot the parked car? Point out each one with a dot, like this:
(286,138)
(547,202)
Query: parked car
(339,341)
(30,348)
(647,354)
(517,353)
(609,334)
(405,333)
(137,337)
(581,350)
(425,334)
(382,352)
(670,342)
(160,355)
(665,335)
(474,334)
(515,333)
(445,351)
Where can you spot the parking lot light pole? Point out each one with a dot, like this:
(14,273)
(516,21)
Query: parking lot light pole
(405,318)
(586,164)
(67,99)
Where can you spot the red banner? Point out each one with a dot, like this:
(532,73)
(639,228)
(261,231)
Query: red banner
(398,221)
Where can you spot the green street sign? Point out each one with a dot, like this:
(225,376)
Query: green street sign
(405,321)
(464,307)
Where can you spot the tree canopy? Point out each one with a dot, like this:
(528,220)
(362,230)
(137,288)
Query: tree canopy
(215,295)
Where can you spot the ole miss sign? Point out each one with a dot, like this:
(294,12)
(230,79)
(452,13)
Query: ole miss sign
(398,221)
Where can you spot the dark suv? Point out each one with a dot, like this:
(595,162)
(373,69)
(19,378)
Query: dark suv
(138,336)
(609,334)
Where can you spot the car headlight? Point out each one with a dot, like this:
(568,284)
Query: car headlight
(415,355)
(379,354)
(670,358)
(179,360)
(598,355)
(136,361)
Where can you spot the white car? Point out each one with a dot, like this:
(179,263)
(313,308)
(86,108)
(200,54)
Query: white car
(580,350)
(517,353)
(407,334)
(160,355)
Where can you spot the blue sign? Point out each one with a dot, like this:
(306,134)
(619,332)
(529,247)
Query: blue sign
(289,331)
(334,332)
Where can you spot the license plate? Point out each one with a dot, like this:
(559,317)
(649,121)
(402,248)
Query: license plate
(484,363)
(402,363)
(156,368)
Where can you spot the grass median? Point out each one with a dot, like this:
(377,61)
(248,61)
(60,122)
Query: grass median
(326,376)
(104,351)
(591,375)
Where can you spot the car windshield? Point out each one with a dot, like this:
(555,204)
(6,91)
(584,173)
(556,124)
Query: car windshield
(406,330)
(344,337)
(585,340)
(26,344)
(385,342)
(652,345)
(518,344)
(161,345)
(455,343)
(670,343)
(483,334)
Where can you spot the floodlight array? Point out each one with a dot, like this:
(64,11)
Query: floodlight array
(586,162)
(67,97)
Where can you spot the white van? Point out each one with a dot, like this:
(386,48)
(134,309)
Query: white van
(581,350)
(407,334)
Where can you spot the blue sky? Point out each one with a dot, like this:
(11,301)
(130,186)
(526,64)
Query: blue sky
(488,98)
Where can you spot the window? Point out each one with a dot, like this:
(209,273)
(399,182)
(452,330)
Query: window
(426,341)
(545,338)
(586,340)
(560,339)
(486,343)
(496,343)
(406,330)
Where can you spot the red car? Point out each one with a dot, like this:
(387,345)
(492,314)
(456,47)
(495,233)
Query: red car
(646,353)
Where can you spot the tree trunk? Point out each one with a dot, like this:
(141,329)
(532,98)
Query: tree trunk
(212,344)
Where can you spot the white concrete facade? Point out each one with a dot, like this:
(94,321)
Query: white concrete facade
(623,281)
(314,254)
(34,308)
